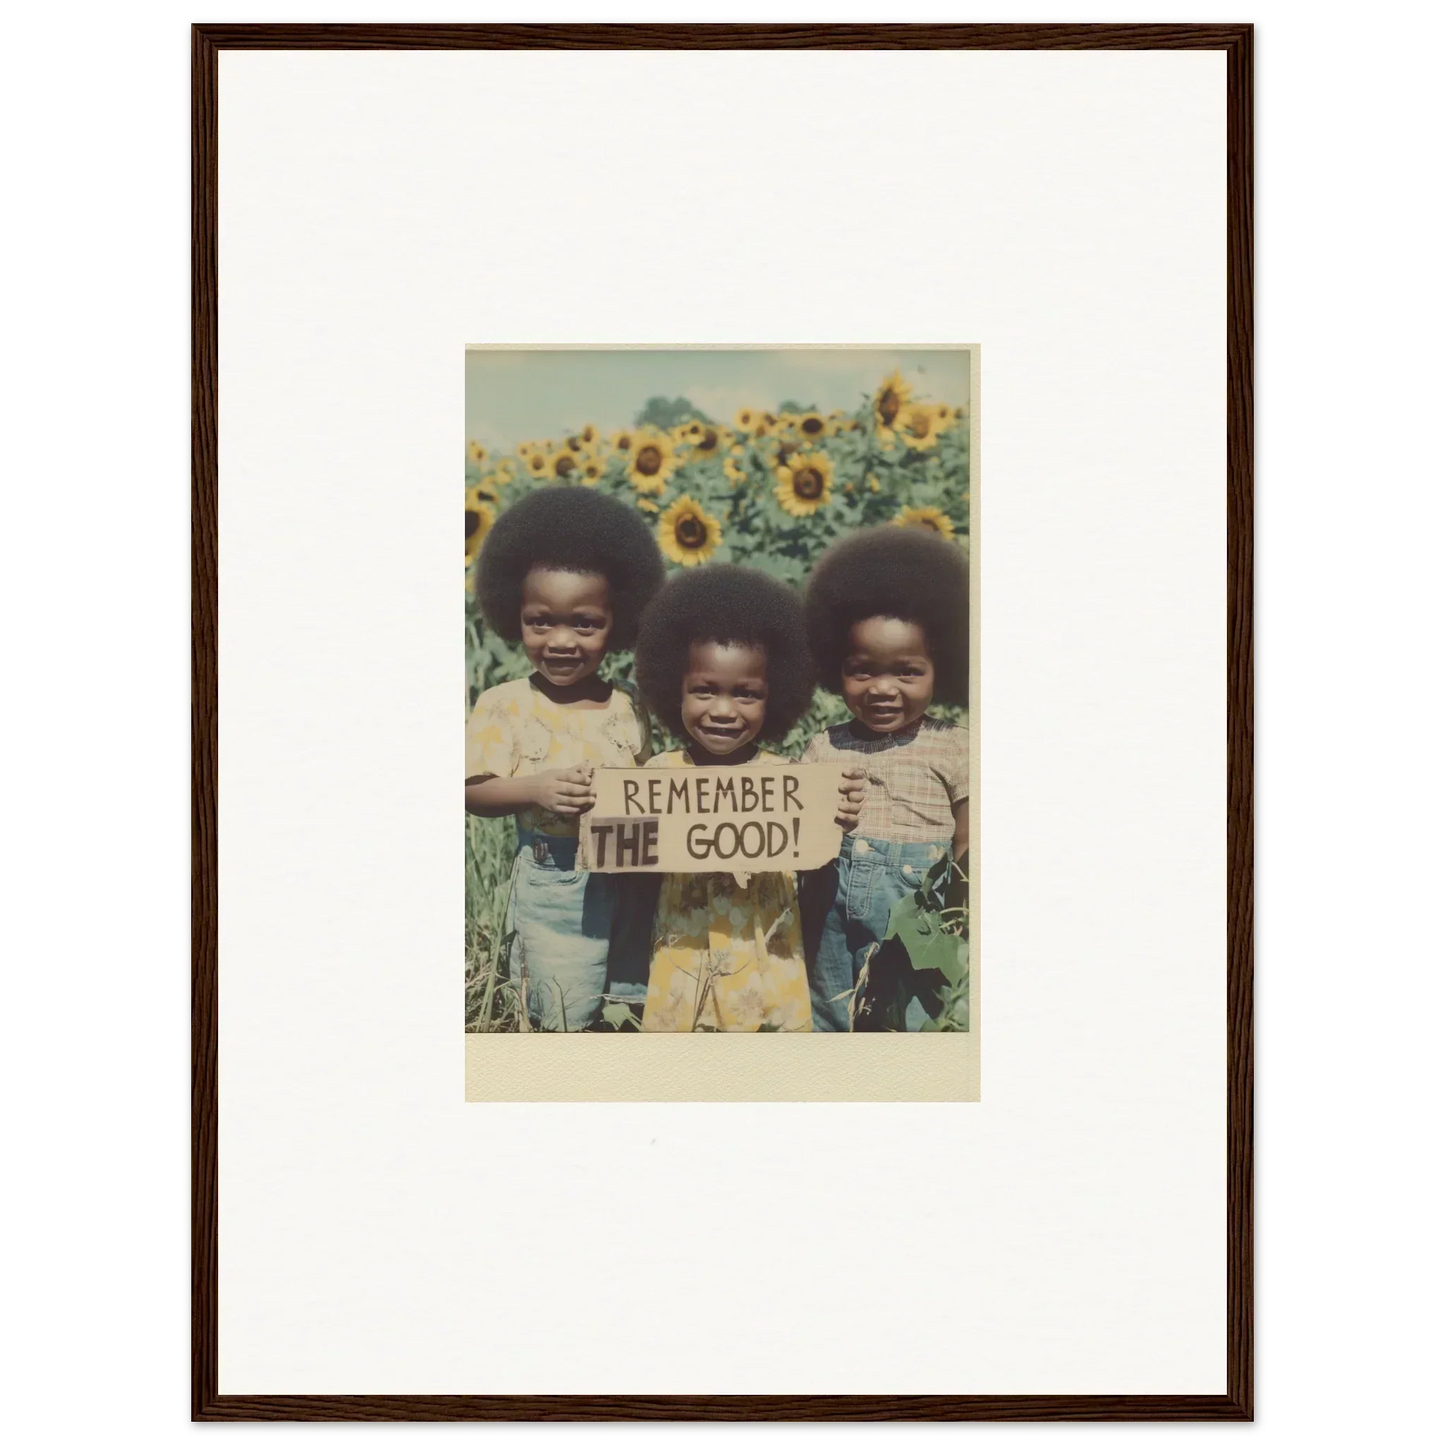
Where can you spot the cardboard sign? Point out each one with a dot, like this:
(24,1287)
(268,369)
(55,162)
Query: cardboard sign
(713,820)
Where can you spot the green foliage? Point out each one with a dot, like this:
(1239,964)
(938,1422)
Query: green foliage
(874,474)
(665,414)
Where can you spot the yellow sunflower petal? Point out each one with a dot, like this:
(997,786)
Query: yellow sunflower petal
(929,518)
(688,534)
(918,426)
(480,516)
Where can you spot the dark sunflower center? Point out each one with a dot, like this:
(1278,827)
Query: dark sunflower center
(623,443)
(808,483)
(918,426)
(888,407)
(812,425)
(690,531)
(649,461)
(474,521)
(565,465)
(709,440)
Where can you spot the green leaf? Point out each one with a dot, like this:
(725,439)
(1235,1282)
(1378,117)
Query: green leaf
(619,1015)
(943,954)
(913,926)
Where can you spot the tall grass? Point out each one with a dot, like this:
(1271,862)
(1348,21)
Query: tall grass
(491,999)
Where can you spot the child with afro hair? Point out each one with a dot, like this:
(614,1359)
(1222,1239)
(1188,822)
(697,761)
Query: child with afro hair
(565,572)
(887,614)
(723,660)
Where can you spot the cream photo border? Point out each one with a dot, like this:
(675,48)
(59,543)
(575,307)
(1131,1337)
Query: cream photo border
(761,1068)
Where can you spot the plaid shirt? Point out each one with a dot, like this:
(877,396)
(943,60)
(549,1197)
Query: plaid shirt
(914,777)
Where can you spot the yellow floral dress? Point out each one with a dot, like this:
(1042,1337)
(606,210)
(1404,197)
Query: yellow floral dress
(724,957)
(515,730)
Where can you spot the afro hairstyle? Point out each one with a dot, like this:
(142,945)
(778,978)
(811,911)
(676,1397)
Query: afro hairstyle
(570,529)
(722,603)
(889,571)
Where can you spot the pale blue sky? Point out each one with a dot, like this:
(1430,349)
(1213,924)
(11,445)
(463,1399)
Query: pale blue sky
(515,396)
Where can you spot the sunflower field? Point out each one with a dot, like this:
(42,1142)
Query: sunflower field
(765,489)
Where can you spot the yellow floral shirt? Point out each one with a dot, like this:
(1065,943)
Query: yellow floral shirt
(515,730)
(724,957)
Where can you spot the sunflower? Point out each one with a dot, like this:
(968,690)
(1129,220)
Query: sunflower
(687,534)
(734,470)
(590,469)
(491,485)
(526,450)
(946,415)
(480,516)
(583,441)
(929,518)
(893,392)
(622,441)
(811,426)
(484,491)
(652,460)
(565,466)
(476,452)
(754,423)
(918,426)
(648,505)
(804,484)
(538,462)
(709,441)
(505,471)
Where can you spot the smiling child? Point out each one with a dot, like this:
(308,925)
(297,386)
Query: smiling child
(887,613)
(723,660)
(566,572)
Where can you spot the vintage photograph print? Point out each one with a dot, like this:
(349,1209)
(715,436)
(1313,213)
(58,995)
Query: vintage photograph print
(718,690)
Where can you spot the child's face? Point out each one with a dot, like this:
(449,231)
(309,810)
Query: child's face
(566,621)
(888,674)
(724,695)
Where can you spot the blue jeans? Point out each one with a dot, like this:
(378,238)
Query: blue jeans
(575,935)
(845,911)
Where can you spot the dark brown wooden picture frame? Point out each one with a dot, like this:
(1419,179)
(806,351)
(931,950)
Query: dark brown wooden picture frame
(1237,1403)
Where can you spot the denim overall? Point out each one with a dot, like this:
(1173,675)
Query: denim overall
(846,907)
(575,934)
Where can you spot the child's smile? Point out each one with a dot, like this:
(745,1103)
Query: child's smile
(725,697)
(888,674)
